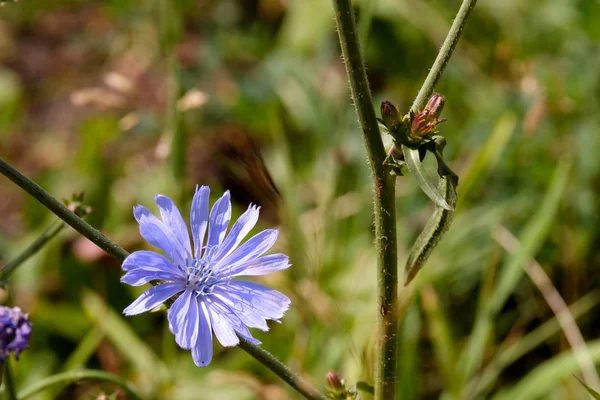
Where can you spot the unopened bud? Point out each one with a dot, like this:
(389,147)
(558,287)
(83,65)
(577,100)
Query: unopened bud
(76,205)
(435,105)
(390,115)
(425,122)
(334,383)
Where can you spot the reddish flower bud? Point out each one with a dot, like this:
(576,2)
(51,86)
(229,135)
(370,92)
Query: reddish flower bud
(425,122)
(435,105)
(334,383)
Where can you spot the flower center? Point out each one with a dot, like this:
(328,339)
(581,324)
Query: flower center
(201,277)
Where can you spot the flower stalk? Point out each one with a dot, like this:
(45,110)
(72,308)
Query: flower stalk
(435,73)
(439,65)
(32,249)
(118,252)
(9,383)
(384,203)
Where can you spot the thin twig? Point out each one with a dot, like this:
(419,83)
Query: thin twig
(436,71)
(384,203)
(118,252)
(33,248)
(558,306)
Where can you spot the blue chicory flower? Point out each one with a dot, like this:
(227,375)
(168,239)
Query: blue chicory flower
(15,330)
(209,298)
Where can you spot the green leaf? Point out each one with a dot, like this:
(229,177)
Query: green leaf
(437,225)
(365,387)
(416,168)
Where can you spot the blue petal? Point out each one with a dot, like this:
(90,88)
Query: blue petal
(141,276)
(238,232)
(248,336)
(158,235)
(248,315)
(199,218)
(149,260)
(250,297)
(249,251)
(232,320)
(153,297)
(262,266)
(219,220)
(183,319)
(222,319)
(172,219)
(203,350)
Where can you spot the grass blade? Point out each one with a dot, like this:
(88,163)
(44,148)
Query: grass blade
(533,236)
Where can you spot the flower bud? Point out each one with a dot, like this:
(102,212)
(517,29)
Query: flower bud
(435,105)
(15,330)
(390,115)
(425,122)
(333,381)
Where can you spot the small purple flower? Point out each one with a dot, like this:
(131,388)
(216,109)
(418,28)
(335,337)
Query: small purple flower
(210,300)
(15,330)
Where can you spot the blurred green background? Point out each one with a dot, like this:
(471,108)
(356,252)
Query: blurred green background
(124,99)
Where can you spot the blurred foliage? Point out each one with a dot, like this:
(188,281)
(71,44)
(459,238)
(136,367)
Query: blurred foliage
(126,99)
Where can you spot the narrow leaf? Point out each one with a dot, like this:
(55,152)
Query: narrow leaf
(365,387)
(415,167)
(434,230)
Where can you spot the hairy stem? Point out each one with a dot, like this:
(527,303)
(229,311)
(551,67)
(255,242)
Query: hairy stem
(281,370)
(436,71)
(33,248)
(384,199)
(76,376)
(118,252)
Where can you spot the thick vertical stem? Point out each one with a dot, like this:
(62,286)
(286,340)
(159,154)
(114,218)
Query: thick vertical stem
(384,199)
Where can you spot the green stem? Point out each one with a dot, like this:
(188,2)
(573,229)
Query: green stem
(281,370)
(112,248)
(67,378)
(33,248)
(384,203)
(436,71)
(9,383)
